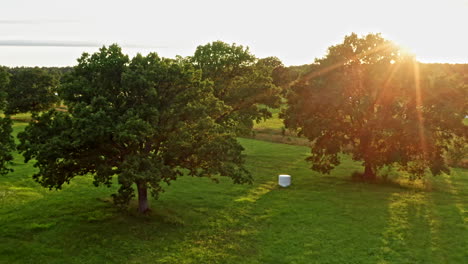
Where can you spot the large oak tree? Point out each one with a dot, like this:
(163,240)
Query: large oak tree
(243,82)
(146,121)
(368,98)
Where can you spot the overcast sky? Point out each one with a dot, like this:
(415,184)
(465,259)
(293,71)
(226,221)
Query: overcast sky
(56,32)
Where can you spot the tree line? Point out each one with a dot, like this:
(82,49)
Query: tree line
(148,120)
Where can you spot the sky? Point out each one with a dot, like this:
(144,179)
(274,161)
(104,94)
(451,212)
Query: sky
(57,32)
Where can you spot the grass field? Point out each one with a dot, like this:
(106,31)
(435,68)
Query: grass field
(318,219)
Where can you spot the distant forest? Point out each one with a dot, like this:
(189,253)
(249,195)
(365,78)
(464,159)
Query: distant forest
(290,73)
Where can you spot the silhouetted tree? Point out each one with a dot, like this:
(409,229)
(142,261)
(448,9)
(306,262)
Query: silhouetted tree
(369,99)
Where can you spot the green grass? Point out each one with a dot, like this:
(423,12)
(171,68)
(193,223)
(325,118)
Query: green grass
(318,219)
(22,117)
(274,123)
(273,130)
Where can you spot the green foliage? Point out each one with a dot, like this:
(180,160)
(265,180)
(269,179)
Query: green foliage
(6,144)
(457,154)
(31,90)
(369,99)
(284,77)
(243,82)
(4,80)
(147,120)
(6,140)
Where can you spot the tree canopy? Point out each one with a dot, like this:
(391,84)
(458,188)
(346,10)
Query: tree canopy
(243,82)
(6,139)
(370,99)
(4,80)
(31,90)
(147,121)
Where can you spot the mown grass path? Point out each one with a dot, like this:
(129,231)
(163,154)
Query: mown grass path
(318,219)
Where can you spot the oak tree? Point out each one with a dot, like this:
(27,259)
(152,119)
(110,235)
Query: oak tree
(241,81)
(370,99)
(146,121)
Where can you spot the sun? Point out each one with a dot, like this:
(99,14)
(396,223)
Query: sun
(432,30)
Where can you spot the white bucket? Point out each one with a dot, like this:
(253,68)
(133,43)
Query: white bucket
(284,180)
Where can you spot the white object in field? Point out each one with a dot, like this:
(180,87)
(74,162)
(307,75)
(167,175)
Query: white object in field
(284,180)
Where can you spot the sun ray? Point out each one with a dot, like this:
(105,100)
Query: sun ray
(392,70)
(419,107)
(343,62)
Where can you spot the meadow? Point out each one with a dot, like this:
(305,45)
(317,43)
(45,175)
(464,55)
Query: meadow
(318,219)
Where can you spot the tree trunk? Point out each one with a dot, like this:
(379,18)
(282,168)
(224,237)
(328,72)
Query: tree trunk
(142,197)
(369,173)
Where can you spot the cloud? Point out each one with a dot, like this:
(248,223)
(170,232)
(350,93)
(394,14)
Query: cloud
(47,43)
(66,43)
(34,21)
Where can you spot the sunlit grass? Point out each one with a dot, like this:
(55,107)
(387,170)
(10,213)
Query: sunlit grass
(22,117)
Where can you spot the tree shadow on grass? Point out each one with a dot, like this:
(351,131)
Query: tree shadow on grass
(178,230)
(388,221)
(261,223)
(425,227)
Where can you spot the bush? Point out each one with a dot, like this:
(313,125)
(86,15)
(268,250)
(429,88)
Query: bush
(457,154)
